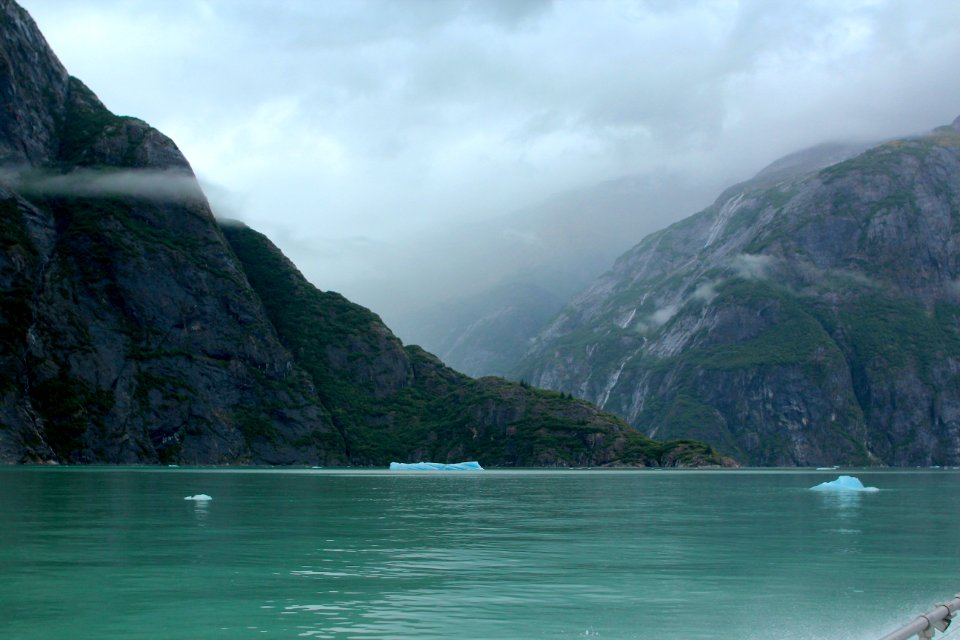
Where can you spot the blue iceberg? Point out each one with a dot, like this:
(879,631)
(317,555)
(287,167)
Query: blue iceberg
(435,466)
(200,497)
(844,483)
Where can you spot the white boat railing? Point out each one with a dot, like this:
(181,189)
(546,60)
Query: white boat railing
(927,624)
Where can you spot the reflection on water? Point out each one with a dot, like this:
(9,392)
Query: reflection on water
(842,501)
(200,511)
(95,553)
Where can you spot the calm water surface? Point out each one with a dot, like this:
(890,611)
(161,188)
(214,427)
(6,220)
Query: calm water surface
(118,553)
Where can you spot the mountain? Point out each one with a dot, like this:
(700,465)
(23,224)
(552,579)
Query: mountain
(517,272)
(810,316)
(485,333)
(495,284)
(393,401)
(129,332)
(135,328)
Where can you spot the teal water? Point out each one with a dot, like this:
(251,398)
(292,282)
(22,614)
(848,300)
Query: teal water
(118,553)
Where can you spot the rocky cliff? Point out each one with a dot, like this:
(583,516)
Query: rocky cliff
(132,331)
(809,316)
(394,402)
(129,331)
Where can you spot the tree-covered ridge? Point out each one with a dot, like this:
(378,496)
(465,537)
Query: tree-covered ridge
(808,319)
(392,402)
(130,332)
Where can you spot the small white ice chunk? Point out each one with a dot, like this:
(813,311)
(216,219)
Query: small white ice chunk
(843,483)
(200,497)
(435,466)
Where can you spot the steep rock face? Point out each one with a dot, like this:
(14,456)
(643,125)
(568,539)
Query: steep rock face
(26,235)
(129,331)
(400,403)
(542,257)
(33,89)
(802,319)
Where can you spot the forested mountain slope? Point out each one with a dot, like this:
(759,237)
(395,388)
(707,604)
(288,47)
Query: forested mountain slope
(132,331)
(800,320)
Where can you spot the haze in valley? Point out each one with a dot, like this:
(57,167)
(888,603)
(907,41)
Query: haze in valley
(405,153)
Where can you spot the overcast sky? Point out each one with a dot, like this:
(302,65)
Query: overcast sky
(347,129)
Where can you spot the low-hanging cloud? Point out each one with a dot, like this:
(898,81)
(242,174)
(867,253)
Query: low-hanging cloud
(752,266)
(655,320)
(164,185)
(399,121)
(705,292)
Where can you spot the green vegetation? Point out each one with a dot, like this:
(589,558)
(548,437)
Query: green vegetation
(757,203)
(396,403)
(682,452)
(885,159)
(171,388)
(889,334)
(787,333)
(105,226)
(255,427)
(128,272)
(685,415)
(324,331)
(15,300)
(793,335)
(69,407)
(85,122)
(12,231)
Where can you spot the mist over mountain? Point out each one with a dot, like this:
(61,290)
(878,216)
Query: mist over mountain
(135,328)
(543,257)
(372,140)
(809,316)
(493,285)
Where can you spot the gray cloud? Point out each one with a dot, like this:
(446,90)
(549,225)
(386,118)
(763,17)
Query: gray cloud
(651,322)
(705,292)
(170,185)
(752,266)
(401,122)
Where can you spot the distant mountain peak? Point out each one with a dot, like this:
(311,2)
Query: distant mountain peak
(134,329)
(810,159)
(802,321)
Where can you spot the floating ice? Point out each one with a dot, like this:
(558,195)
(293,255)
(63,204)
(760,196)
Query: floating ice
(435,466)
(843,483)
(200,497)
